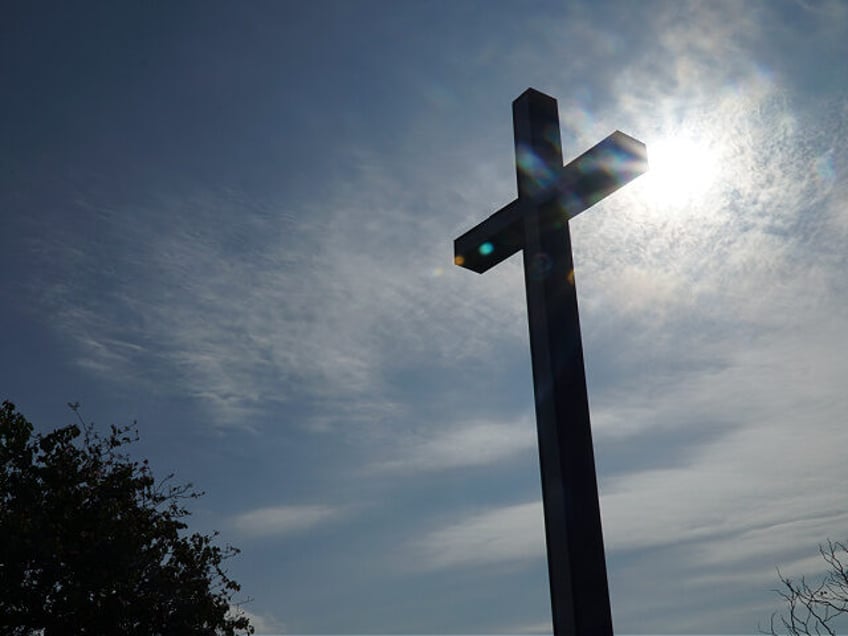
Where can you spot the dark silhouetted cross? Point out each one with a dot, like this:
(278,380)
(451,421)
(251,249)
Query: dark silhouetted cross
(549,194)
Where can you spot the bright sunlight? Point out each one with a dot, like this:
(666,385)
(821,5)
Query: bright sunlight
(681,169)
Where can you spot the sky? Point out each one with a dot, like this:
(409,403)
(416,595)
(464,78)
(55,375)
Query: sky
(233,223)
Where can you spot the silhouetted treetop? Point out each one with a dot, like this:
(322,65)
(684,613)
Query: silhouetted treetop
(91,543)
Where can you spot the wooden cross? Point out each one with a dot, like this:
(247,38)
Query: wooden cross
(549,194)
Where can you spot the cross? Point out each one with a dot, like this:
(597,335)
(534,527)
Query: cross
(549,194)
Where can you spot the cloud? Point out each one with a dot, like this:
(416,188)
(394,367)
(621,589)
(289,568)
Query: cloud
(541,627)
(243,303)
(462,445)
(769,466)
(504,534)
(284,520)
(263,624)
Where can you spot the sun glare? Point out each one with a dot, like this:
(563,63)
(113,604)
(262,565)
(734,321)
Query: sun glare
(680,168)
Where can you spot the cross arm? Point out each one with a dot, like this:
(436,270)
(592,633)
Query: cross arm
(596,173)
(495,239)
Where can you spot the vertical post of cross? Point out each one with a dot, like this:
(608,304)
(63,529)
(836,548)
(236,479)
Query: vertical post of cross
(549,194)
(576,565)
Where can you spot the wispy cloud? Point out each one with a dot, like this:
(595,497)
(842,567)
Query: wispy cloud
(240,306)
(284,520)
(541,627)
(460,446)
(505,534)
(263,624)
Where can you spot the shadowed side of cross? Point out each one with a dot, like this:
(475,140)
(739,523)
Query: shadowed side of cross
(549,194)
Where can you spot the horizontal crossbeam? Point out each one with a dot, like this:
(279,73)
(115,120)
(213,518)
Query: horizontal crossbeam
(495,239)
(595,174)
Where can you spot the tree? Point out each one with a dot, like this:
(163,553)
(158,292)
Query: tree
(91,543)
(820,607)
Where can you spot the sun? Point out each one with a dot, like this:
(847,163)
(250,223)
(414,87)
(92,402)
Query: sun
(681,169)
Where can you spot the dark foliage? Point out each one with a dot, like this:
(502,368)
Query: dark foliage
(91,543)
(818,608)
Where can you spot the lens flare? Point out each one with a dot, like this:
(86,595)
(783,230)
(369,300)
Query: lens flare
(486,248)
(541,176)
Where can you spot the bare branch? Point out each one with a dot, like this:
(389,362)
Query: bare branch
(814,609)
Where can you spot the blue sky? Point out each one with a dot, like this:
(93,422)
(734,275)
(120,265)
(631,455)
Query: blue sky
(234,223)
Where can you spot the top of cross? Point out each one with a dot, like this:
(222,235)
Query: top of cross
(542,178)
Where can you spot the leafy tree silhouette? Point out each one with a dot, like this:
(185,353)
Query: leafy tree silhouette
(91,543)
